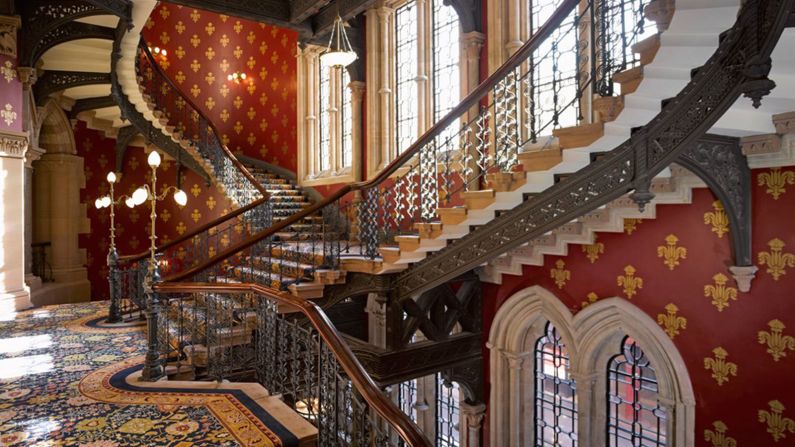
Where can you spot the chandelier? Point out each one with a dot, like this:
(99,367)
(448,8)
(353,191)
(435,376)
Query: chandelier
(342,54)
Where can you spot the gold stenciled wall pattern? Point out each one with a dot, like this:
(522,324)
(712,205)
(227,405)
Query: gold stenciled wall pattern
(132,228)
(256,117)
(738,347)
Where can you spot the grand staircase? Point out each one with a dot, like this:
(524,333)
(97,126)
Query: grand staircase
(525,173)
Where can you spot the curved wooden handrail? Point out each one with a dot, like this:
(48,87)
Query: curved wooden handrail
(195,231)
(377,400)
(467,103)
(231,156)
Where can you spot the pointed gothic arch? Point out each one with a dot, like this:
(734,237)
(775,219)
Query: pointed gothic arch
(591,337)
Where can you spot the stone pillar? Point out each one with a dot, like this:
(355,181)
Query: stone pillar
(357,131)
(471,46)
(33,281)
(59,218)
(472,417)
(376,320)
(14,293)
(380,134)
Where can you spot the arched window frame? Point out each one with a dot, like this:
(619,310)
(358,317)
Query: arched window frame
(342,136)
(592,337)
(381,131)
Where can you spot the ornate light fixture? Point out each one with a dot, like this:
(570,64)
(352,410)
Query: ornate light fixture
(342,54)
(113,257)
(237,77)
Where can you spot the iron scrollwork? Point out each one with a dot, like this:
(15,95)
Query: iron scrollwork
(683,120)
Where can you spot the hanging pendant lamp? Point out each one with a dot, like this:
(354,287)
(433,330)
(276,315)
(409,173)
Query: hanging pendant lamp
(342,54)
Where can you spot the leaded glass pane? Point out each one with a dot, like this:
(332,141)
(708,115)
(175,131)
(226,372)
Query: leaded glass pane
(406,75)
(635,417)
(555,393)
(446,70)
(550,86)
(324,93)
(448,413)
(347,123)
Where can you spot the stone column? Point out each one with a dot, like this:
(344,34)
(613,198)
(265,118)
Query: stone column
(60,217)
(472,417)
(376,320)
(14,293)
(471,46)
(33,281)
(357,133)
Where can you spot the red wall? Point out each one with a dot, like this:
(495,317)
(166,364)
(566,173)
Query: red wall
(11,94)
(258,117)
(132,226)
(759,378)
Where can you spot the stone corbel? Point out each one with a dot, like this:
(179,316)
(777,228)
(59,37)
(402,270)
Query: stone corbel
(9,25)
(32,154)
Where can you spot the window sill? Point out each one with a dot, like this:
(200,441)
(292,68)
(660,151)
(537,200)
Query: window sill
(328,179)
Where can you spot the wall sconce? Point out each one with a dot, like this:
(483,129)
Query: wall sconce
(157,51)
(237,77)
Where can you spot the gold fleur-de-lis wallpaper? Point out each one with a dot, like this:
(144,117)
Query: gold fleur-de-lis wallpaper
(698,305)
(132,225)
(11,91)
(203,49)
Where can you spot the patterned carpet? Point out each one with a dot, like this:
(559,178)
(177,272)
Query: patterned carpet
(52,359)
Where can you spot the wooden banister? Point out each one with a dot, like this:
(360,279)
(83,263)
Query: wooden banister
(198,230)
(471,100)
(362,382)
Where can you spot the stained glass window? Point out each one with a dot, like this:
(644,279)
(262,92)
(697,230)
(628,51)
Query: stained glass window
(634,414)
(406,95)
(448,413)
(555,393)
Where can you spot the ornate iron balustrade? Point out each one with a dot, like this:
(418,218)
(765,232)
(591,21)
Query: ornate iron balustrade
(126,274)
(189,124)
(483,135)
(738,67)
(437,168)
(295,351)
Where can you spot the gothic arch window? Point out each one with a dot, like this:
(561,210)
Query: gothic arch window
(628,383)
(634,415)
(329,131)
(423,96)
(555,398)
(448,413)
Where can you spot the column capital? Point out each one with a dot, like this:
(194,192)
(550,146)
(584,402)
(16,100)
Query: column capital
(28,76)
(473,413)
(473,39)
(13,144)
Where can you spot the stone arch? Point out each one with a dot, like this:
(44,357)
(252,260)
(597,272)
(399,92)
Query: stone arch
(519,322)
(54,130)
(600,329)
(58,214)
(591,336)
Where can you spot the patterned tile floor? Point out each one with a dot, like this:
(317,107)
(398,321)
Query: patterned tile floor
(44,355)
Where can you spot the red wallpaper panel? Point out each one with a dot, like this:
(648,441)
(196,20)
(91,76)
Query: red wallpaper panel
(11,94)
(256,117)
(132,225)
(731,324)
